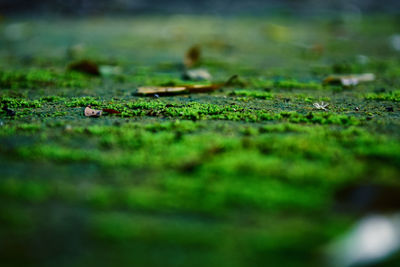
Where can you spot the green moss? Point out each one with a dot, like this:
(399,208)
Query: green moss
(391,96)
(82,101)
(19,103)
(52,98)
(255,94)
(293,84)
(244,175)
(39,78)
(201,111)
(29,127)
(25,190)
(282,84)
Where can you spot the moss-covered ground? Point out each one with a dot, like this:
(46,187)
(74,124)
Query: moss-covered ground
(244,176)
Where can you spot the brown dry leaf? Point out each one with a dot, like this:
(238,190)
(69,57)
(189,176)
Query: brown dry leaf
(111,111)
(147,90)
(89,112)
(85,66)
(349,80)
(190,88)
(192,56)
(197,88)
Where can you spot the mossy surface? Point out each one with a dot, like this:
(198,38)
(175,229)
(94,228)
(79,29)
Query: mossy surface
(243,176)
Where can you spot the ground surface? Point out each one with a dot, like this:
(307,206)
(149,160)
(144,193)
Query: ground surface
(250,175)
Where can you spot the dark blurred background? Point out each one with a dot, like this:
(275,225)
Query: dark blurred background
(219,7)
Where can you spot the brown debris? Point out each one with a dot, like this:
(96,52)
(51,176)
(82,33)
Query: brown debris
(111,111)
(85,66)
(181,89)
(192,56)
(147,90)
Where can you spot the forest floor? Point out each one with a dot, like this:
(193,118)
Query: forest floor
(252,174)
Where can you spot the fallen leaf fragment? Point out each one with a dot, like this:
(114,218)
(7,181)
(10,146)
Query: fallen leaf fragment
(181,89)
(85,66)
(349,80)
(192,56)
(166,90)
(321,105)
(89,112)
(111,111)
(147,90)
